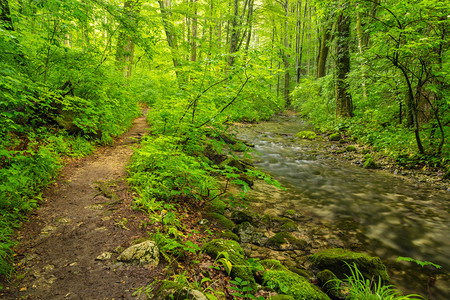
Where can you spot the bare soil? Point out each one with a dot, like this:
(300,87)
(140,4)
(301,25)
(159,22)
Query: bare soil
(85,213)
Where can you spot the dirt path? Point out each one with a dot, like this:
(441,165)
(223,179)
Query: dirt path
(85,213)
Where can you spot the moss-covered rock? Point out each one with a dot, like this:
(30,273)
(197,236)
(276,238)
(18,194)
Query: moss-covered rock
(217,206)
(289,226)
(307,135)
(350,148)
(235,255)
(239,217)
(228,235)
(173,290)
(337,261)
(334,137)
(224,221)
(292,284)
(370,163)
(245,232)
(285,241)
(282,297)
(233,162)
(330,284)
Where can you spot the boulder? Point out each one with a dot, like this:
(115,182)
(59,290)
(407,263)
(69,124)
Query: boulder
(330,284)
(289,283)
(337,260)
(173,290)
(239,217)
(145,253)
(224,221)
(235,255)
(285,241)
(307,135)
(334,137)
(245,232)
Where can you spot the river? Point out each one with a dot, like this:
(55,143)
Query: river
(392,216)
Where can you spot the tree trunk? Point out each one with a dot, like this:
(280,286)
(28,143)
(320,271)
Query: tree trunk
(323,52)
(344,105)
(301,44)
(234,40)
(361,50)
(287,75)
(125,43)
(194,33)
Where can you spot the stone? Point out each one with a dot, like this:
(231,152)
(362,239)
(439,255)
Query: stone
(239,217)
(334,137)
(104,256)
(224,221)
(145,253)
(292,284)
(337,260)
(173,290)
(369,163)
(235,255)
(285,241)
(228,234)
(245,232)
(307,135)
(330,284)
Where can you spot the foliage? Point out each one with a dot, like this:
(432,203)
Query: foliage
(357,287)
(419,262)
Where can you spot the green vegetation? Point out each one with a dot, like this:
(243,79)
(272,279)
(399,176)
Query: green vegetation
(357,287)
(73,73)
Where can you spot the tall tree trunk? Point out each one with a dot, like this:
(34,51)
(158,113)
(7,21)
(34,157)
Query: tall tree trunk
(234,39)
(323,51)
(287,75)
(170,36)
(344,105)
(301,44)
(125,43)
(361,50)
(194,33)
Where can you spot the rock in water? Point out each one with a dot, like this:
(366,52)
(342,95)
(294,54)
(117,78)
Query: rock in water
(145,253)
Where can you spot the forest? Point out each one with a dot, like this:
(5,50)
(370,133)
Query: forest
(76,73)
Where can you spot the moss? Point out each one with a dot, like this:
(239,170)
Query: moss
(233,162)
(272,264)
(224,221)
(330,284)
(266,220)
(240,217)
(342,141)
(350,148)
(228,235)
(307,135)
(290,212)
(173,290)
(369,163)
(446,175)
(335,137)
(282,297)
(292,284)
(217,206)
(281,238)
(235,254)
(365,151)
(289,226)
(336,261)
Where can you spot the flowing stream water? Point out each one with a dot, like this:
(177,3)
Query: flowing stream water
(394,217)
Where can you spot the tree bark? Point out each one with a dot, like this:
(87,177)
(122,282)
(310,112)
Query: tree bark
(344,105)
(125,43)
(323,51)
